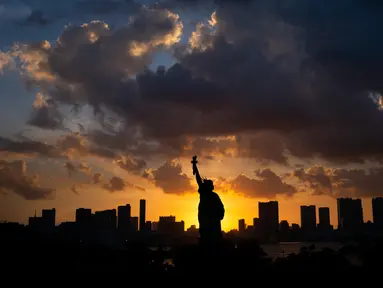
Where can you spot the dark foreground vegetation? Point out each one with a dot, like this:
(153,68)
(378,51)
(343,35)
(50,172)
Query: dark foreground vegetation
(29,256)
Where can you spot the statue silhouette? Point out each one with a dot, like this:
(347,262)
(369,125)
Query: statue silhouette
(210,212)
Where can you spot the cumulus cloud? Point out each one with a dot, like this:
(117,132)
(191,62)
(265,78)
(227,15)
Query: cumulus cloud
(133,165)
(267,185)
(97,177)
(170,179)
(14,178)
(46,114)
(115,184)
(73,167)
(70,167)
(322,102)
(258,80)
(341,182)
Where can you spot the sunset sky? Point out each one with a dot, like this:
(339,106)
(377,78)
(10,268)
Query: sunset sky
(104,102)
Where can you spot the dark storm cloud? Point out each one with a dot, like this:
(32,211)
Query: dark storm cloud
(116,184)
(341,182)
(282,77)
(267,185)
(170,178)
(72,145)
(301,68)
(28,147)
(44,12)
(133,165)
(14,178)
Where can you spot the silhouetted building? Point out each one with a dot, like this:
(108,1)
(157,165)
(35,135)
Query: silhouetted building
(49,217)
(134,223)
(284,231)
(350,214)
(192,231)
(295,227)
(142,214)
(308,219)
(154,226)
(377,211)
(84,217)
(167,225)
(123,219)
(106,219)
(284,225)
(256,223)
(241,225)
(324,217)
(268,220)
(148,226)
(36,222)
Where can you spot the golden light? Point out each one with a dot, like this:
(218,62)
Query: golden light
(138,49)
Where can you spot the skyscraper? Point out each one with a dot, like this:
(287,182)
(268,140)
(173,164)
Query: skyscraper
(106,219)
(142,214)
(324,217)
(123,219)
(377,211)
(350,214)
(49,217)
(268,219)
(134,220)
(241,225)
(308,218)
(83,217)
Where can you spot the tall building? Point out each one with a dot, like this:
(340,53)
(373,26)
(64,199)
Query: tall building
(241,225)
(148,226)
(84,217)
(308,218)
(377,211)
(35,222)
(167,225)
(49,217)
(123,218)
(255,224)
(134,223)
(350,214)
(142,214)
(268,215)
(324,217)
(106,219)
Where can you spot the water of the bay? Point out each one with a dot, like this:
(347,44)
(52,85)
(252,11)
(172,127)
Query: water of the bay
(285,248)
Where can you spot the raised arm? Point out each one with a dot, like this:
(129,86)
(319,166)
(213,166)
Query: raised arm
(196,172)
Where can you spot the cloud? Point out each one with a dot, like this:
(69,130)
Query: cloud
(115,184)
(132,165)
(29,147)
(72,168)
(42,13)
(282,84)
(36,17)
(14,178)
(46,114)
(267,185)
(316,178)
(75,188)
(341,182)
(97,177)
(170,179)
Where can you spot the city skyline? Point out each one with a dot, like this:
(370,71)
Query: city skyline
(318,216)
(106,105)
